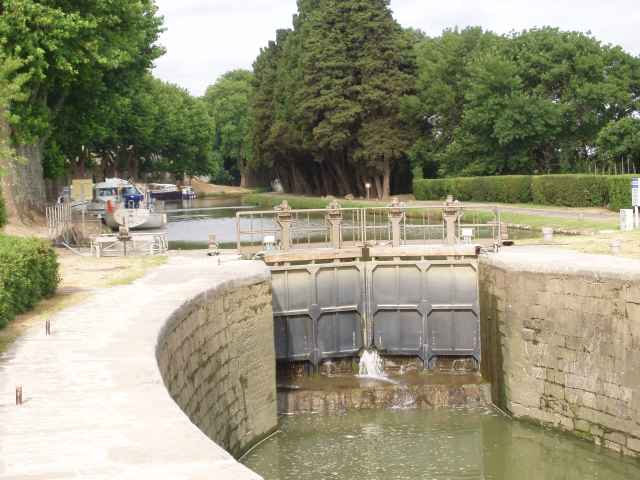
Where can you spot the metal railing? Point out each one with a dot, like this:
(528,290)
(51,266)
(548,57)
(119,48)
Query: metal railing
(394,225)
(69,226)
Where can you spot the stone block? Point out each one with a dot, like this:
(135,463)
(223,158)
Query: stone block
(633,444)
(616,447)
(582,426)
(616,437)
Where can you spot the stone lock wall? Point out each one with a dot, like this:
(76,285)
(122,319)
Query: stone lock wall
(561,343)
(217,360)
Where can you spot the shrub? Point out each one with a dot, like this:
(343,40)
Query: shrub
(28,273)
(504,189)
(570,190)
(559,190)
(620,191)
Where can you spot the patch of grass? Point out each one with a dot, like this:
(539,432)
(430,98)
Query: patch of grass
(137,270)
(599,244)
(298,202)
(538,222)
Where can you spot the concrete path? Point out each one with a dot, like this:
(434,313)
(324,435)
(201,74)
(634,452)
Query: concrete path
(95,405)
(549,259)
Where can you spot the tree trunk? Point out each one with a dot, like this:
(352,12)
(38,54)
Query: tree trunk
(22,179)
(386,182)
(378,187)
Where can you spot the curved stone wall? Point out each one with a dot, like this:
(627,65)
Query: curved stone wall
(561,341)
(217,360)
(95,401)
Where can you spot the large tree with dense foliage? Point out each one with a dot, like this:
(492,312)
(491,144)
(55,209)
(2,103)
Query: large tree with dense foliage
(151,127)
(619,145)
(72,52)
(326,110)
(228,103)
(530,102)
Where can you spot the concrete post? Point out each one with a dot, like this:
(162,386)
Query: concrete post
(396,214)
(451,212)
(284,219)
(335,217)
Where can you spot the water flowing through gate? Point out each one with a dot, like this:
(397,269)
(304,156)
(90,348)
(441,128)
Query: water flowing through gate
(402,306)
(351,279)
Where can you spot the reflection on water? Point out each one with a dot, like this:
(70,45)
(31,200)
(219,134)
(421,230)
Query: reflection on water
(191,222)
(430,445)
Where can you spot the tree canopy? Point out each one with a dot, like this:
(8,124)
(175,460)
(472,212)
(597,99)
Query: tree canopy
(326,110)
(228,103)
(529,102)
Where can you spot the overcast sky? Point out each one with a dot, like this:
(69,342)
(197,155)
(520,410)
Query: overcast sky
(206,38)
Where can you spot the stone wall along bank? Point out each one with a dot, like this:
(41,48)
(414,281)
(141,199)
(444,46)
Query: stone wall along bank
(217,360)
(561,341)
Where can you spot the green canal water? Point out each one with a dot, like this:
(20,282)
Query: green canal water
(430,445)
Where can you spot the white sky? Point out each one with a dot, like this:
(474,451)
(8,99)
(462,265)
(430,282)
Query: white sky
(206,38)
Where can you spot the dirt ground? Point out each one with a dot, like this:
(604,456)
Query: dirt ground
(208,189)
(599,243)
(80,277)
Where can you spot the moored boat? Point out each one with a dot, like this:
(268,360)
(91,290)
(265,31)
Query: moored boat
(164,191)
(135,218)
(189,193)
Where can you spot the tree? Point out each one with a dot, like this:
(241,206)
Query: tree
(66,48)
(529,102)
(619,144)
(324,93)
(228,103)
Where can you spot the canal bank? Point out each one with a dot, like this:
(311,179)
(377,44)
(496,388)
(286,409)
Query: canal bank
(561,341)
(95,402)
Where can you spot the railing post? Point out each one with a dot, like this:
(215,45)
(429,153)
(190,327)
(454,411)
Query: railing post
(335,217)
(284,219)
(396,214)
(452,212)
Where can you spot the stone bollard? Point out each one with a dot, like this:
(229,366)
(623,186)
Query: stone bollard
(284,218)
(335,218)
(396,215)
(547,234)
(19,395)
(47,328)
(616,247)
(452,212)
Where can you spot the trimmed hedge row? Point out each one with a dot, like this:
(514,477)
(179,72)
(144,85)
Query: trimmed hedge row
(28,273)
(560,190)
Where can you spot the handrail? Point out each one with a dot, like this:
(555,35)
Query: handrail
(336,226)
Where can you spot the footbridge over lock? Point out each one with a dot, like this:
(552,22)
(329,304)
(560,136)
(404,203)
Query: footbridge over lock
(401,280)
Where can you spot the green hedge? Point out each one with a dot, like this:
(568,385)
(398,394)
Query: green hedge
(28,273)
(506,189)
(620,191)
(559,190)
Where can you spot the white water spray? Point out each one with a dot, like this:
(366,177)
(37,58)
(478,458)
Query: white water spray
(371,365)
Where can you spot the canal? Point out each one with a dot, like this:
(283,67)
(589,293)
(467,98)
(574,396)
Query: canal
(474,444)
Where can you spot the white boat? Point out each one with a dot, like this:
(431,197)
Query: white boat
(134,218)
(114,191)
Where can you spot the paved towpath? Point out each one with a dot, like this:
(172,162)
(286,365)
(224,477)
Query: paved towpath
(95,404)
